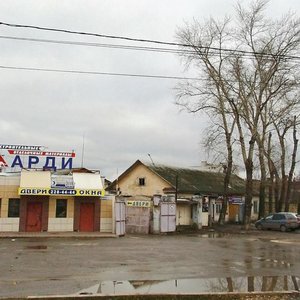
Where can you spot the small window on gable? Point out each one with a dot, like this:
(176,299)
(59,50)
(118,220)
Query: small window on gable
(142,181)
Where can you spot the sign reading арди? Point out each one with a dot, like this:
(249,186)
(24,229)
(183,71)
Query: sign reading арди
(31,157)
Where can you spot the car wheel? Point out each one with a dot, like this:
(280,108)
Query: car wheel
(283,228)
(259,227)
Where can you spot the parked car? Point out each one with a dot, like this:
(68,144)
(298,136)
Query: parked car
(282,221)
(298,218)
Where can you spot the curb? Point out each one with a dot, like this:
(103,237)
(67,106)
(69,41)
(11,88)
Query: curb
(216,296)
(16,235)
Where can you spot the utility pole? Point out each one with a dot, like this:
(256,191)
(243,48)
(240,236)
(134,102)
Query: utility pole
(82,154)
(176,188)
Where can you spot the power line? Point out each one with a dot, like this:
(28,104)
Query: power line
(112,46)
(113,74)
(147,40)
(117,46)
(98,73)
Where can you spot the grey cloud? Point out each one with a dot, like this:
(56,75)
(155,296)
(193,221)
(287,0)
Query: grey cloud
(123,119)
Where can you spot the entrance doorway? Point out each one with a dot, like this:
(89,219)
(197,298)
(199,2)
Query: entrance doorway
(233,212)
(137,219)
(86,219)
(34,216)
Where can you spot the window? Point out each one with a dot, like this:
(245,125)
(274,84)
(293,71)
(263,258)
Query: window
(255,207)
(279,217)
(288,216)
(142,181)
(205,206)
(13,208)
(61,208)
(218,208)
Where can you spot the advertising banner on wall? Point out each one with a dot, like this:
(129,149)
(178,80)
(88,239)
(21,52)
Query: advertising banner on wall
(64,192)
(34,157)
(21,147)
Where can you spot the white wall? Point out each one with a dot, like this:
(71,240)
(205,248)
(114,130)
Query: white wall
(60,224)
(87,181)
(106,225)
(9,224)
(35,179)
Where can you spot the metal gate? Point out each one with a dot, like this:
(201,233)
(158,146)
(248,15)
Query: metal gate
(137,219)
(120,218)
(167,217)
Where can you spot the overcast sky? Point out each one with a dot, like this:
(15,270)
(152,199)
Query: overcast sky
(122,118)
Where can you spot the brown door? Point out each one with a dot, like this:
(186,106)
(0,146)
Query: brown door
(233,211)
(34,216)
(86,220)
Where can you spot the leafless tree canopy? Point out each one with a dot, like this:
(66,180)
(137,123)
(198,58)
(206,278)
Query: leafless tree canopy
(249,86)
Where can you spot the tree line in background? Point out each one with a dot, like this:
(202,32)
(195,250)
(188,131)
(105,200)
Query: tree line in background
(248,85)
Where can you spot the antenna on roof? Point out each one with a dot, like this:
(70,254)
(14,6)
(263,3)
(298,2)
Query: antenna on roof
(151,160)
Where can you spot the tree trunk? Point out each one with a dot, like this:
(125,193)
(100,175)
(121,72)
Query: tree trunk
(251,284)
(282,193)
(292,169)
(271,172)
(262,186)
(271,189)
(227,176)
(276,193)
(248,193)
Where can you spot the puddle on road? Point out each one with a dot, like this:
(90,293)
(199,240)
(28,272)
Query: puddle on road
(204,285)
(38,247)
(214,235)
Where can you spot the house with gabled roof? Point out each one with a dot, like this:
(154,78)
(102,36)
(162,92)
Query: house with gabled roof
(142,179)
(149,179)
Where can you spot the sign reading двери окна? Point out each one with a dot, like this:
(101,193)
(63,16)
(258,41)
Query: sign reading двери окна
(65,192)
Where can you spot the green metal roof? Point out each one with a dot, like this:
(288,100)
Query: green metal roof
(198,182)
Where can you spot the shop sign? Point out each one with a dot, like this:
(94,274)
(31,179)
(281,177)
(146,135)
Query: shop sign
(64,192)
(21,147)
(235,200)
(41,153)
(60,181)
(3,163)
(139,203)
(32,157)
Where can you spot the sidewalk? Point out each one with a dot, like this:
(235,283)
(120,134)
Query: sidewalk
(216,228)
(233,228)
(57,235)
(227,228)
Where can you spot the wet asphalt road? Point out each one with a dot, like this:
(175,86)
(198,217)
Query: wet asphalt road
(51,266)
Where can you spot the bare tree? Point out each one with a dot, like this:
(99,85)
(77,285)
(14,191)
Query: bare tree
(282,129)
(211,95)
(293,165)
(242,85)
